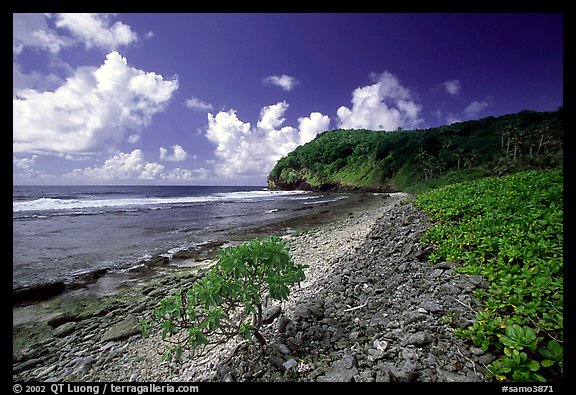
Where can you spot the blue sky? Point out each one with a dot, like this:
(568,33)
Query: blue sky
(217,99)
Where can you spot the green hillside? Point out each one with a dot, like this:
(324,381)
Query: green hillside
(407,159)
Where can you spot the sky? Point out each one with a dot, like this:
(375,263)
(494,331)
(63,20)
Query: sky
(218,99)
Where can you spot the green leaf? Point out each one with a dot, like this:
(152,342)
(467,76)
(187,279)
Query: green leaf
(537,377)
(533,365)
(547,363)
(508,342)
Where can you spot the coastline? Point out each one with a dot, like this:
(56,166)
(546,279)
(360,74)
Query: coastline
(38,315)
(345,317)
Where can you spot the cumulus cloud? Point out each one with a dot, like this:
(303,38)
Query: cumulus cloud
(310,126)
(177,155)
(134,167)
(122,166)
(284,81)
(475,108)
(91,111)
(97,30)
(385,105)
(243,150)
(196,104)
(452,87)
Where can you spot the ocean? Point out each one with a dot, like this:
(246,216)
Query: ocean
(60,232)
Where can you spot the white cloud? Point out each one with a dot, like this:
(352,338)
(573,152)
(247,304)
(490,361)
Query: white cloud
(177,155)
(91,111)
(31,30)
(133,138)
(285,82)
(196,104)
(385,105)
(24,163)
(122,166)
(243,151)
(310,126)
(474,109)
(23,168)
(93,30)
(452,118)
(97,30)
(132,167)
(452,87)
(178,174)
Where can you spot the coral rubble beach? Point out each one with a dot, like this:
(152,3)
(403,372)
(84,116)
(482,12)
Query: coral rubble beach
(370,309)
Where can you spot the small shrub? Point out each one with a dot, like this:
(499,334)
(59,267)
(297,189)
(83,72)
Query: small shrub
(228,300)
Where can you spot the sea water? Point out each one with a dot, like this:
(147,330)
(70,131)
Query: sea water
(62,231)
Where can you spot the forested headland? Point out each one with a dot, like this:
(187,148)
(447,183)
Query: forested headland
(408,160)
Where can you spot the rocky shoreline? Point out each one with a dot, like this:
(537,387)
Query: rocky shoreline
(371,309)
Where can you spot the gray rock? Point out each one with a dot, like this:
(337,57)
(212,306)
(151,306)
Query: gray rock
(139,308)
(47,371)
(418,339)
(453,377)
(283,324)
(342,370)
(486,359)
(476,351)
(83,366)
(61,318)
(126,328)
(29,364)
(379,318)
(270,314)
(431,306)
(317,311)
(65,329)
(290,364)
(282,348)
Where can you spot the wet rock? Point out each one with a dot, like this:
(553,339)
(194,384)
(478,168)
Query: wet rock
(156,261)
(185,254)
(37,292)
(83,280)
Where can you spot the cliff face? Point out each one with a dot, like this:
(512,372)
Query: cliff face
(303,185)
